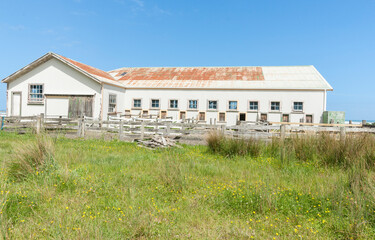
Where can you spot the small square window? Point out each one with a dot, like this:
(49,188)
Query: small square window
(212,105)
(253,106)
(155,103)
(137,103)
(193,104)
(298,106)
(173,103)
(275,106)
(232,105)
(36,93)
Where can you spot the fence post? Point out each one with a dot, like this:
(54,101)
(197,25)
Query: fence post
(142,130)
(120,131)
(2,123)
(38,124)
(168,128)
(223,129)
(79,130)
(210,121)
(83,127)
(282,137)
(60,122)
(282,132)
(342,133)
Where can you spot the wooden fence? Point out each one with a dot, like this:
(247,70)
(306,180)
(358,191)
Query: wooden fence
(138,128)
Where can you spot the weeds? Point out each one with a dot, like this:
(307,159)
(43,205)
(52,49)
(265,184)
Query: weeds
(31,158)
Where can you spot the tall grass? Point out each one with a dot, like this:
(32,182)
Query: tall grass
(31,158)
(354,150)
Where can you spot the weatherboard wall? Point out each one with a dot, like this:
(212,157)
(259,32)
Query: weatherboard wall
(58,79)
(313,102)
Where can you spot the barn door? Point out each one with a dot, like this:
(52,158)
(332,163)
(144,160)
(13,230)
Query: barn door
(16,104)
(80,106)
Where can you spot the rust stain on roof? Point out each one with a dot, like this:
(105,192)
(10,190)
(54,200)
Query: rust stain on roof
(189,73)
(89,69)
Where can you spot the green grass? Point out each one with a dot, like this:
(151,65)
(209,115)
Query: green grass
(116,190)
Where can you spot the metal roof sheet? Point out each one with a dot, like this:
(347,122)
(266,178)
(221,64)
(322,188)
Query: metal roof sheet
(288,77)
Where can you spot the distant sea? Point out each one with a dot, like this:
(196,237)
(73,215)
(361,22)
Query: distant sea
(359,121)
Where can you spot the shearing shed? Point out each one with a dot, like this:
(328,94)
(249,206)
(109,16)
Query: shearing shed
(55,85)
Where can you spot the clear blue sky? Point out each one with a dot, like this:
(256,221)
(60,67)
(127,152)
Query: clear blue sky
(336,36)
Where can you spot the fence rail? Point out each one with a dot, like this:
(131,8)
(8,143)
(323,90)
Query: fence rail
(141,128)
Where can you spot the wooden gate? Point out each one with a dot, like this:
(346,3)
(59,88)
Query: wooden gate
(80,106)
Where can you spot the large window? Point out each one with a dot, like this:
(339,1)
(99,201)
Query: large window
(193,104)
(232,105)
(36,92)
(253,106)
(212,105)
(298,106)
(137,103)
(155,103)
(112,103)
(173,103)
(275,106)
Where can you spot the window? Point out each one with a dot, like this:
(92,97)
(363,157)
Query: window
(275,106)
(163,114)
(36,93)
(155,103)
(253,106)
(263,117)
(173,103)
(309,118)
(222,117)
(212,105)
(202,116)
(242,117)
(285,117)
(232,105)
(145,113)
(193,104)
(112,103)
(183,115)
(137,103)
(298,106)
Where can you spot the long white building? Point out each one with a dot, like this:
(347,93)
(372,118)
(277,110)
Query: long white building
(58,86)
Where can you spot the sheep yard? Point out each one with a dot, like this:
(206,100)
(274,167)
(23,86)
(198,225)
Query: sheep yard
(60,188)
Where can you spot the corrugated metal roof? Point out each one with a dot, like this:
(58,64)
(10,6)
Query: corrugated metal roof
(288,77)
(189,73)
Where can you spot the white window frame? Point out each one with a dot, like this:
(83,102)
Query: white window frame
(169,104)
(294,110)
(212,109)
(109,103)
(232,110)
(278,110)
(249,105)
(155,99)
(37,100)
(188,104)
(133,103)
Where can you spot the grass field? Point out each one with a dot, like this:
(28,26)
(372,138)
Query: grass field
(93,189)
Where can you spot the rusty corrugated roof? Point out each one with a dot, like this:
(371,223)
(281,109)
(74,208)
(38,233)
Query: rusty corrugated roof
(88,69)
(189,73)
